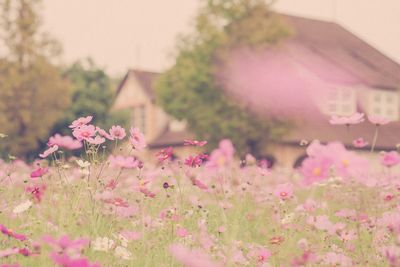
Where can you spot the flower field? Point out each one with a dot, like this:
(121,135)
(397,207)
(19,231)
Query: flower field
(200,211)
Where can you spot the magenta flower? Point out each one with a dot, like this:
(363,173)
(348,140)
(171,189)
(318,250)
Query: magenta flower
(284,191)
(117,132)
(66,142)
(8,252)
(80,122)
(137,139)
(164,154)
(49,151)
(36,191)
(123,162)
(378,120)
(10,265)
(39,172)
(356,118)
(390,159)
(84,132)
(194,143)
(64,243)
(11,233)
(359,143)
(222,156)
(196,161)
(66,261)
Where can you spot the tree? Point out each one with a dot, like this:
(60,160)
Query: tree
(91,95)
(33,94)
(190,91)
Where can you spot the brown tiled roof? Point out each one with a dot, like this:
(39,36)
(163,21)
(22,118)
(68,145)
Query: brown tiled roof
(169,138)
(145,79)
(341,47)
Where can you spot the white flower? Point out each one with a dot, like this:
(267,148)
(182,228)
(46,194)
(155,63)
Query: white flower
(82,164)
(103,244)
(122,253)
(22,207)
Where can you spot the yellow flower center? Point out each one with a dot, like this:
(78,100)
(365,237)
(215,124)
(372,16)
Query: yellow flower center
(317,171)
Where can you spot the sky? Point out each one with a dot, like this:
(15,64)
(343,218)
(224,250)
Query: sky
(123,34)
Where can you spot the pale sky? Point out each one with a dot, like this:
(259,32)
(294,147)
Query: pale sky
(121,34)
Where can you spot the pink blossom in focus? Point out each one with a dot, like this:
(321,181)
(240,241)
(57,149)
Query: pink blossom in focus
(81,121)
(98,140)
(137,139)
(164,154)
(11,233)
(49,151)
(196,161)
(84,132)
(356,118)
(390,159)
(117,132)
(66,142)
(104,133)
(284,191)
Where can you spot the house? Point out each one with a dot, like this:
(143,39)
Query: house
(344,72)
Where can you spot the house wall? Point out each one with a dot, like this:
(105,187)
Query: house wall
(133,95)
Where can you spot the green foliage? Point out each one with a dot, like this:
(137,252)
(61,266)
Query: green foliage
(189,89)
(33,94)
(92,95)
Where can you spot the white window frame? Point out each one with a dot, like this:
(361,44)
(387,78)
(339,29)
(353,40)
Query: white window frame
(384,103)
(341,102)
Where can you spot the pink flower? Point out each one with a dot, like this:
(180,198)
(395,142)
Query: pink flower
(49,151)
(131,235)
(81,121)
(117,132)
(378,120)
(390,159)
(11,233)
(198,183)
(137,139)
(191,258)
(284,191)
(10,265)
(182,232)
(196,161)
(39,172)
(66,261)
(66,142)
(36,191)
(347,120)
(359,143)
(103,133)
(8,252)
(194,143)
(118,202)
(306,258)
(96,141)
(164,154)
(147,192)
(263,255)
(65,243)
(123,162)
(84,132)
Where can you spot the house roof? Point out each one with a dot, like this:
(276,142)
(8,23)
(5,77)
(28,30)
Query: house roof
(144,78)
(339,46)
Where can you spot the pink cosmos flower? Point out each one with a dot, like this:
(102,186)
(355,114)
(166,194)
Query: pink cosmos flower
(182,232)
(81,121)
(49,151)
(66,261)
(123,162)
(117,132)
(10,265)
(103,133)
(356,118)
(390,159)
(359,143)
(98,140)
(39,172)
(84,132)
(11,233)
(198,183)
(66,142)
(194,143)
(165,154)
(284,191)
(65,243)
(378,120)
(8,252)
(196,161)
(191,258)
(137,139)
(36,191)
(119,202)
(147,192)
(263,255)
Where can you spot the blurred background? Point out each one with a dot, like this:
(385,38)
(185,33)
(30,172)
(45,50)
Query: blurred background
(265,74)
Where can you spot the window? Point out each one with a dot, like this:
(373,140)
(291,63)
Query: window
(384,103)
(139,117)
(341,102)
